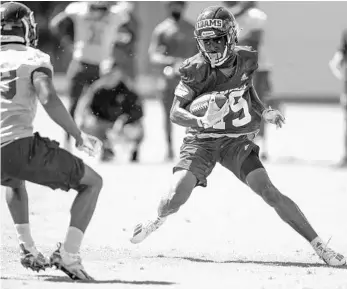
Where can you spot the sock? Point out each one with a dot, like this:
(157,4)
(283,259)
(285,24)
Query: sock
(316,242)
(24,235)
(73,240)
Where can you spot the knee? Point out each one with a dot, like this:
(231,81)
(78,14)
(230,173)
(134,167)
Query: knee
(271,195)
(91,180)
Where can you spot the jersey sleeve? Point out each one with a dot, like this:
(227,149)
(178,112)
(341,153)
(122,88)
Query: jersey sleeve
(194,73)
(250,59)
(41,62)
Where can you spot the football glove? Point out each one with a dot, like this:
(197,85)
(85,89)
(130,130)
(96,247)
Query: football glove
(89,144)
(273,116)
(213,114)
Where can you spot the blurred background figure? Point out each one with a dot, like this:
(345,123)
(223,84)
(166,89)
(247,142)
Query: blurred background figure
(338,66)
(88,29)
(172,41)
(252,21)
(112,112)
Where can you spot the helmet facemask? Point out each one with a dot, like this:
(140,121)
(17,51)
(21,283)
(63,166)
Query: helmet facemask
(218,58)
(30,33)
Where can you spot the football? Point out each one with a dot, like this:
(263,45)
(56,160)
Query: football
(199,105)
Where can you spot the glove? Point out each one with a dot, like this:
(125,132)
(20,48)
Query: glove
(273,116)
(89,144)
(214,114)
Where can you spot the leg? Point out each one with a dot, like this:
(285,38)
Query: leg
(17,202)
(258,180)
(196,163)
(183,184)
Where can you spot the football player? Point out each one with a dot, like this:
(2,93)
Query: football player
(26,77)
(94,26)
(252,22)
(338,66)
(225,136)
(171,42)
(112,112)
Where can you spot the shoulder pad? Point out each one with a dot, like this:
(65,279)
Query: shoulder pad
(76,8)
(39,58)
(246,52)
(194,70)
(249,56)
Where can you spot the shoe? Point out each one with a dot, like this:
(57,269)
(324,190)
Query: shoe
(134,156)
(342,164)
(329,256)
(31,258)
(141,231)
(107,155)
(70,264)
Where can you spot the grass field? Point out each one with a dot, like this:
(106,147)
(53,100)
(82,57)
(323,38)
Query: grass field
(224,237)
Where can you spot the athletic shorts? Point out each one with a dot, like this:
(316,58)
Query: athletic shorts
(80,74)
(200,156)
(41,161)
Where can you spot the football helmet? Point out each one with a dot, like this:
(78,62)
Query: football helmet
(18,24)
(216,22)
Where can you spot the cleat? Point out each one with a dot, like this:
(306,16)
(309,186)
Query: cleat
(329,256)
(70,264)
(141,232)
(31,258)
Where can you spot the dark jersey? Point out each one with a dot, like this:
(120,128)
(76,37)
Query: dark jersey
(111,103)
(198,77)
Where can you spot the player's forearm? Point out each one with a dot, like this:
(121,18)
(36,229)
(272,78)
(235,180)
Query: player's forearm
(257,104)
(58,113)
(184,118)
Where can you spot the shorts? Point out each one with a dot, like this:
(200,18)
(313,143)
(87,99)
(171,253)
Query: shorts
(79,75)
(200,156)
(41,161)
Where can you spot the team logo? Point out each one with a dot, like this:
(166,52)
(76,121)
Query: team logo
(244,77)
(209,23)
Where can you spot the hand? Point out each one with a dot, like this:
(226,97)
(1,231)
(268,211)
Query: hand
(89,144)
(273,116)
(214,114)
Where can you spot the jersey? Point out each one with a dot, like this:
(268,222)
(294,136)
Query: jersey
(94,31)
(198,77)
(251,21)
(18,96)
(125,47)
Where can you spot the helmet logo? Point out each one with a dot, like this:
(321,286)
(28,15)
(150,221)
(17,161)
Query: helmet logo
(209,23)
(207,33)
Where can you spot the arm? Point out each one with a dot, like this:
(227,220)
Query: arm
(56,26)
(257,104)
(52,104)
(179,115)
(336,63)
(157,51)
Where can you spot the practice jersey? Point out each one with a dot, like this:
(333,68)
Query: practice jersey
(198,77)
(18,96)
(94,32)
